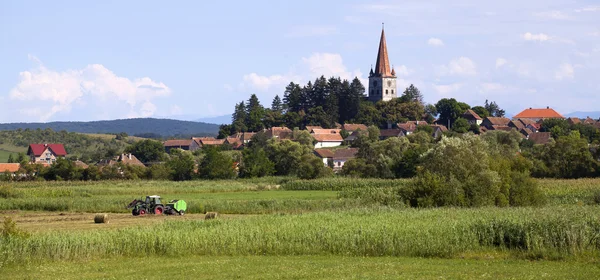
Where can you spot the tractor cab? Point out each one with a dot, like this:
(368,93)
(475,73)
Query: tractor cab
(153,199)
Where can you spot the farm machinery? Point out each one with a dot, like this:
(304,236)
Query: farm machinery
(153,205)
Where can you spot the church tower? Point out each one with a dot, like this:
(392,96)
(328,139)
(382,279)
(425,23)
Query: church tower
(382,81)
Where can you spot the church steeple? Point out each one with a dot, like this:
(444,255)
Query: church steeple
(382,67)
(382,79)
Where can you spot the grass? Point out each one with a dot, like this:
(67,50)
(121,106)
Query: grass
(6,150)
(303,267)
(531,233)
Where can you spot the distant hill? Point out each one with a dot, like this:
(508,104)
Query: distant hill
(225,119)
(583,115)
(162,127)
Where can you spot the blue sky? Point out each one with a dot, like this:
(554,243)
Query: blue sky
(91,60)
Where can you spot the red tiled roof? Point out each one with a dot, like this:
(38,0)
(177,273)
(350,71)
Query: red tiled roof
(10,167)
(498,120)
(502,127)
(38,149)
(574,120)
(443,128)
(326,131)
(408,126)
(589,120)
(354,127)
(311,127)
(328,137)
(540,137)
(471,115)
(213,142)
(177,143)
(324,153)
(345,153)
(516,124)
(235,142)
(390,132)
(538,114)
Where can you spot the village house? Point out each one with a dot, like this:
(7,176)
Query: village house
(235,143)
(199,142)
(46,153)
(325,131)
(340,156)
(183,144)
(472,117)
(327,140)
(540,137)
(574,120)
(279,133)
(11,168)
(309,128)
(245,137)
(326,155)
(389,133)
(127,159)
(491,123)
(351,127)
(538,114)
(438,130)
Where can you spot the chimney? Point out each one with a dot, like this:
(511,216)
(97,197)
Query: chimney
(129,155)
(547,107)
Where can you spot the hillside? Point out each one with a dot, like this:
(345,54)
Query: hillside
(88,148)
(162,127)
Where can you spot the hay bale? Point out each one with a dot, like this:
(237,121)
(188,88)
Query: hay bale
(101,219)
(210,215)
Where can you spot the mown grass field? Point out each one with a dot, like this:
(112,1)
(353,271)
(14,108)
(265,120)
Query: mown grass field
(283,228)
(6,150)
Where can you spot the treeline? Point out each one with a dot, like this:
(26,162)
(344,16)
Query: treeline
(328,102)
(79,146)
(163,127)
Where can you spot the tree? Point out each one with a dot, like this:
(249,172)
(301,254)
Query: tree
(449,110)
(311,167)
(558,127)
(367,114)
(303,137)
(493,109)
(181,166)
(292,98)
(238,119)
(147,150)
(255,114)
(277,105)
(481,111)
(255,163)
(430,113)
(286,155)
(11,159)
(460,125)
(411,94)
(216,165)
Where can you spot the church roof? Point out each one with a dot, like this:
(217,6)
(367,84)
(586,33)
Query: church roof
(539,113)
(382,67)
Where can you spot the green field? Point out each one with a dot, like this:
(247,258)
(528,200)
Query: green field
(6,150)
(305,267)
(283,228)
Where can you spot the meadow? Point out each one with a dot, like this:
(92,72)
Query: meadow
(308,223)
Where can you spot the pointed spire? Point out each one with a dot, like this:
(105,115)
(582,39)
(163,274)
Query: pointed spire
(382,67)
(393,71)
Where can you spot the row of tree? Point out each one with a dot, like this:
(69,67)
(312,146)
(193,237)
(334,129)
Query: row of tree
(327,102)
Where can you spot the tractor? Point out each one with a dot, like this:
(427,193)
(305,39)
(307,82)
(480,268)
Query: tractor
(153,205)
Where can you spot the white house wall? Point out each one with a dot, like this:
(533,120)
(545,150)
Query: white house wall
(327,144)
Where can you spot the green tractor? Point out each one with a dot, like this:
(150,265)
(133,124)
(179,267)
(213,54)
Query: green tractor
(153,205)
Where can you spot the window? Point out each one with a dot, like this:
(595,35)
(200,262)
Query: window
(386,92)
(392,91)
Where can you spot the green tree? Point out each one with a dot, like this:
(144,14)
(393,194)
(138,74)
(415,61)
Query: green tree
(147,150)
(292,98)
(286,155)
(311,167)
(481,111)
(238,119)
(256,163)
(11,159)
(180,165)
(412,94)
(450,110)
(460,125)
(216,165)
(255,114)
(493,109)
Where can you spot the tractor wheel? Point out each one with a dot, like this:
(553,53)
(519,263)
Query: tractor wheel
(142,212)
(181,212)
(158,210)
(135,212)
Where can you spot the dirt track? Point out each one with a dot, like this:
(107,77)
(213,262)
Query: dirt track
(46,221)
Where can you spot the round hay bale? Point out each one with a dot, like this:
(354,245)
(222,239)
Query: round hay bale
(101,219)
(210,215)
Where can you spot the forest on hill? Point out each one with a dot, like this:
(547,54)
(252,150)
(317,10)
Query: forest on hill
(143,127)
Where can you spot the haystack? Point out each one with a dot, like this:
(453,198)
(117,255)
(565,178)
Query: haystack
(101,219)
(210,215)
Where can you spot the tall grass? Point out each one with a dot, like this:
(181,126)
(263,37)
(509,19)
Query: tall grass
(539,233)
(341,183)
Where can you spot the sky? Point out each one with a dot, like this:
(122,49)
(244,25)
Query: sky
(98,60)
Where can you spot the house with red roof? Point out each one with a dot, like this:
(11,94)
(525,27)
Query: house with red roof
(538,114)
(46,153)
(327,140)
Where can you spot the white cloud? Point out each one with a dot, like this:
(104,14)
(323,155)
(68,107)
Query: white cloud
(447,89)
(308,68)
(311,31)
(263,83)
(565,71)
(402,70)
(500,62)
(462,66)
(435,42)
(552,15)
(588,9)
(41,93)
(541,37)
(489,87)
